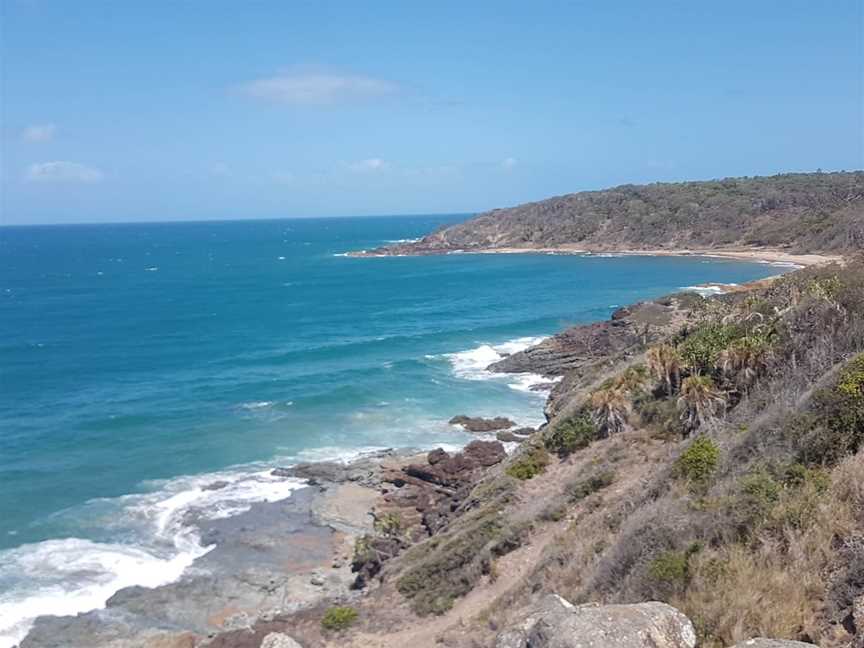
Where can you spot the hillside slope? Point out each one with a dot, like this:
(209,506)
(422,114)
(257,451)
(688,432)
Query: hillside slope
(802,212)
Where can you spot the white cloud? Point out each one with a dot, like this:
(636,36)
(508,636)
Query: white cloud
(369,165)
(39,133)
(63,172)
(302,85)
(509,163)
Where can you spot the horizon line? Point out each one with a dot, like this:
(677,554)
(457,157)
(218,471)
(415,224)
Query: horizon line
(187,221)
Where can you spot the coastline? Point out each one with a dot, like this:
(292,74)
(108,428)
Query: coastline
(322,518)
(760,255)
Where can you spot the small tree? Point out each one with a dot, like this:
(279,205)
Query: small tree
(610,409)
(664,363)
(632,380)
(744,359)
(699,401)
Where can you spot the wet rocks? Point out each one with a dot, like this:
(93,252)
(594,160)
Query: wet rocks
(479,424)
(419,499)
(515,436)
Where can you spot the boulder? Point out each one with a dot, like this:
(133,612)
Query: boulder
(436,456)
(485,453)
(556,623)
(368,561)
(479,424)
(759,642)
(279,640)
(512,437)
(858,618)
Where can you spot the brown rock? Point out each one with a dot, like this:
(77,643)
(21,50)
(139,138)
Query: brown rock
(479,424)
(437,455)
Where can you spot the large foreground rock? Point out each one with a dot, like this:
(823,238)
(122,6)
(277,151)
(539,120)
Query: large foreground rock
(279,640)
(556,623)
(772,643)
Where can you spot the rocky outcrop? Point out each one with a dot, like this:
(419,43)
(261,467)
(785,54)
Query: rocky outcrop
(364,471)
(419,499)
(426,494)
(479,424)
(279,640)
(772,643)
(583,352)
(515,436)
(556,623)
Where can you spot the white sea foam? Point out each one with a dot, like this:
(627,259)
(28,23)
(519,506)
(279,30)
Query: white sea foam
(253,405)
(710,289)
(405,240)
(74,575)
(346,455)
(472,364)
(783,264)
(65,577)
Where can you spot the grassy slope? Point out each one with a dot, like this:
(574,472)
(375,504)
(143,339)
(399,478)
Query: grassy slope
(758,531)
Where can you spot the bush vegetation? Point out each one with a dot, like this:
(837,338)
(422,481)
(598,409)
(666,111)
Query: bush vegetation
(698,462)
(448,565)
(800,211)
(530,463)
(338,618)
(572,434)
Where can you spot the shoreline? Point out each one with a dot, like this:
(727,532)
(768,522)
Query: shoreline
(245,545)
(759,255)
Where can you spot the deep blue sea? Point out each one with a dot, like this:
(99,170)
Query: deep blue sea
(139,363)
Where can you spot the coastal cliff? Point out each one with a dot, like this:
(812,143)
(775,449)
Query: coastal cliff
(799,214)
(697,483)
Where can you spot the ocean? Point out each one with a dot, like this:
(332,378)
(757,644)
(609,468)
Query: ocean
(140,363)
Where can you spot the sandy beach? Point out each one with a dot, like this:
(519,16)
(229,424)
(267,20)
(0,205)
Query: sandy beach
(764,255)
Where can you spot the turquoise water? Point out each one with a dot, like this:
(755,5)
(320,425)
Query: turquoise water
(140,362)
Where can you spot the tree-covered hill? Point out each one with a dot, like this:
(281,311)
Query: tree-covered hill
(799,212)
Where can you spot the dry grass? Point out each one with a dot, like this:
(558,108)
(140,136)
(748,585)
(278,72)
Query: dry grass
(777,587)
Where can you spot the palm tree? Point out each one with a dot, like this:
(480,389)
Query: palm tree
(664,362)
(632,379)
(745,359)
(699,401)
(610,408)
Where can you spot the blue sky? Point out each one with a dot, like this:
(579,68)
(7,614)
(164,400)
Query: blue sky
(122,111)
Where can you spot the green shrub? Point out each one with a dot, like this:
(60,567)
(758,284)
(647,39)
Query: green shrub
(698,462)
(338,618)
(673,567)
(701,349)
(797,475)
(660,415)
(529,464)
(836,425)
(388,525)
(762,487)
(585,487)
(570,435)
(670,567)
